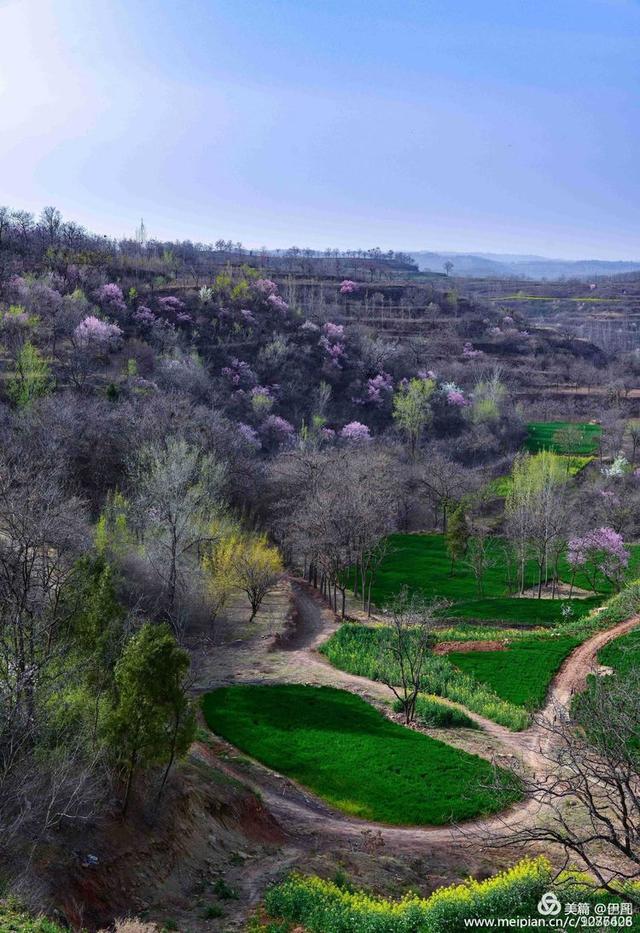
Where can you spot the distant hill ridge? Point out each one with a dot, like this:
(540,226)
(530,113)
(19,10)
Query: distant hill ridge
(495,265)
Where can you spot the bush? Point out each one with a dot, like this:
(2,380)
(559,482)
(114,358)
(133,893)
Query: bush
(13,919)
(620,607)
(435,714)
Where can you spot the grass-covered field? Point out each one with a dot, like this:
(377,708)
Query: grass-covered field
(436,714)
(361,650)
(521,612)
(522,672)
(421,563)
(623,653)
(501,486)
(346,752)
(541,435)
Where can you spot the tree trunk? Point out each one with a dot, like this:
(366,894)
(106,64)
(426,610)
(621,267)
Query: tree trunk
(125,803)
(173,574)
(171,758)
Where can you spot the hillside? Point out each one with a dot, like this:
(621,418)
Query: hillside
(214,463)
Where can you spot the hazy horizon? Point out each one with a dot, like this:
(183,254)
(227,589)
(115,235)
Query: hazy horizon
(422,127)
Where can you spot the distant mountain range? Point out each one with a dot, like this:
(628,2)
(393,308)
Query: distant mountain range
(507,266)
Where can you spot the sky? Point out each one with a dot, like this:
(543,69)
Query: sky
(487,125)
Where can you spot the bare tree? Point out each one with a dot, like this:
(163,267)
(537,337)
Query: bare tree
(46,773)
(445,483)
(536,514)
(479,558)
(51,222)
(589,792)
(176,492)
(334,510)
(633,433)
(41,534)
(409,643)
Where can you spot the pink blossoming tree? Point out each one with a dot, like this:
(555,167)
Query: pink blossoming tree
(355,431)
(94,334)
(110,298)
(265,287)
(332,342)
(600,556)
(347,287)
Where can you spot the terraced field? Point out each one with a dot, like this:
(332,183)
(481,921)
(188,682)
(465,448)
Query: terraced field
(327,739)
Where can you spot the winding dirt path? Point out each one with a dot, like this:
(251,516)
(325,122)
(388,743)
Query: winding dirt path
(298,660)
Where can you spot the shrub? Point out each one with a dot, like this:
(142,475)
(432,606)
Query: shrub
(222,890)
(619,607)
(435,714)
(134,926)
(12,918)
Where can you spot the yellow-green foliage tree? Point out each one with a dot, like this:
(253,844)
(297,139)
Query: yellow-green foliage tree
(535,510)
(112,536)
(220,564)
(488,397)
(412,409)
(32,377)
(258,568)
(238,560)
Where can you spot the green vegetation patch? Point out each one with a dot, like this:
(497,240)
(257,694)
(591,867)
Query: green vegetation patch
(623,653)
(522,611)
(553,435)
(15,920)
(361,650)
(422,563)
(501,485)
(349,754)
(321,906)
(435,714)
(520,674)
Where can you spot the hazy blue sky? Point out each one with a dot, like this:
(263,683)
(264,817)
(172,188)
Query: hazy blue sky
(493,125)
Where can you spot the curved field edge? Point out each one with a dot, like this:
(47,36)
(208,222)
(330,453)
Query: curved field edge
(357,649)
(321,905)
(521,673)
(328,739)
